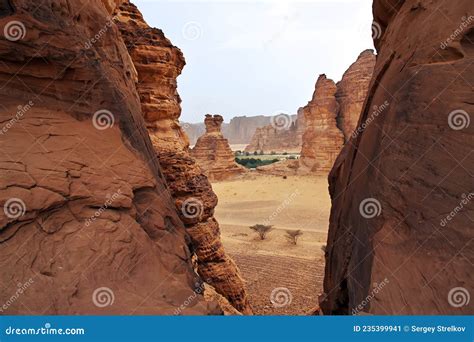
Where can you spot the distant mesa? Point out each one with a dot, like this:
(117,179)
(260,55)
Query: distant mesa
(213,153)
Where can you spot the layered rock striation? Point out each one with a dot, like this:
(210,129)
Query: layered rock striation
(322,139)
(213,154)
(88,225)
(158,64)
(352,91)
(401,220)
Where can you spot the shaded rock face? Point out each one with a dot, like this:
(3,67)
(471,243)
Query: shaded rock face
(213,153)
(88,225)
(322,139)
(402,197)
(352,91)
(158,64)
(287,137)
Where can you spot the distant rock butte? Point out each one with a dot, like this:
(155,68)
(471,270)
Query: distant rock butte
(400,236)
(213,154)
(284,137)
(158,64)
(239,130)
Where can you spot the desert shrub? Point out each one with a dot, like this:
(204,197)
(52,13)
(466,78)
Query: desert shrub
(255,153)
(262,230)
(285,153)
(293,235)
(291,157)
(252,163)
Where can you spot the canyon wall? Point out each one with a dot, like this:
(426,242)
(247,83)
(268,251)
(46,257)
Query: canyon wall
(286,136)
(88,225)
(352,91)
(331,115)
(158,64)
(213,154)
(400,237)
(322,139)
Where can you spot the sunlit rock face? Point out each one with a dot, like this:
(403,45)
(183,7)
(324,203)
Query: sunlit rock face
(158,64)
(400,235)
(88,225)
(213,153)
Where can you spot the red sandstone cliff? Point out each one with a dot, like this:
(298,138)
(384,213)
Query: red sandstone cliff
(88,225)
(352,91)
(158,64)
(401,217)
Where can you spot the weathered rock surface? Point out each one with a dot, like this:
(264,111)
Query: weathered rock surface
(213,154)
(88,225)
(158,64)
(402,189)
(322,139)
(286,137)
(352,91)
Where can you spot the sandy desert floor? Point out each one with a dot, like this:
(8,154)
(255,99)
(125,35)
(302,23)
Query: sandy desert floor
(294,274)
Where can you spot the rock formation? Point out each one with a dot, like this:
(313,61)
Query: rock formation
(352,91)
(322,139)
(286,137)
(239,130)
(213,154)
(88,225)
(158,64)
(401,189)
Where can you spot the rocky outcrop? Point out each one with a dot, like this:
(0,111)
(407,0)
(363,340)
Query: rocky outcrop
(283,135)
(352,91)
(213,154)
(322,139)
(88,225)
(158,64)
(400,238)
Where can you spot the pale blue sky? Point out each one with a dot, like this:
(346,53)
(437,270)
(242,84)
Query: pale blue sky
(258,57)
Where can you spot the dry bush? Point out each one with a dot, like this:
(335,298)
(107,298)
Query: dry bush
(293,235)
(262,230)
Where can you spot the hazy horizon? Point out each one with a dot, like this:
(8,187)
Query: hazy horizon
(258,58)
